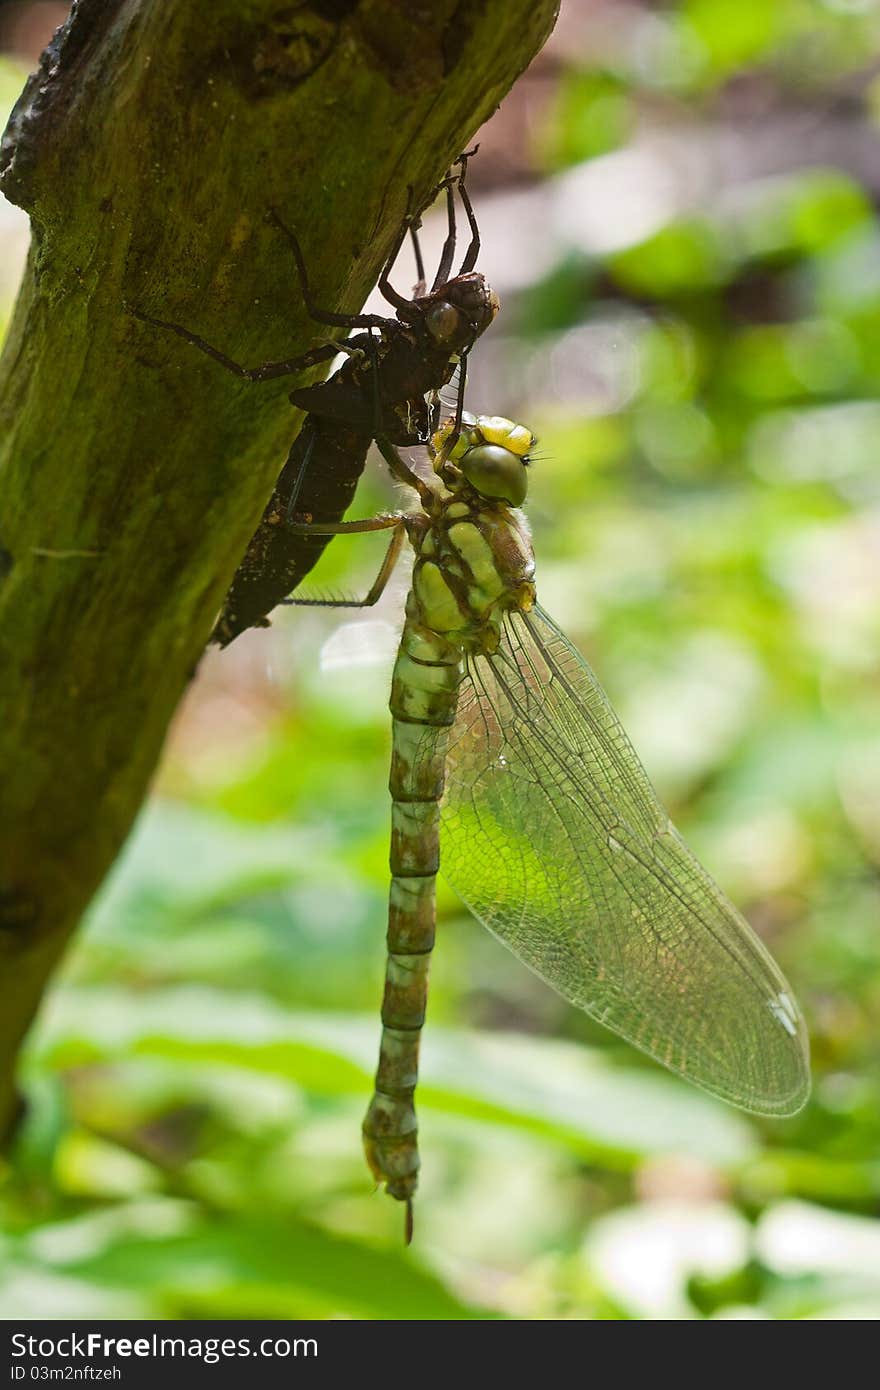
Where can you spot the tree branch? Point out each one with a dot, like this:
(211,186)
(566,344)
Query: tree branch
(133,471)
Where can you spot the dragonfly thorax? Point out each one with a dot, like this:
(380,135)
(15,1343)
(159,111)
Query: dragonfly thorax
(474,563)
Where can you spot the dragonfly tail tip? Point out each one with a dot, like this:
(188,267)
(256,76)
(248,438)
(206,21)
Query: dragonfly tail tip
(409,1223)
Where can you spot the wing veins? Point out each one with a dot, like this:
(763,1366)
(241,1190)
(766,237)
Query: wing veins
(654,869)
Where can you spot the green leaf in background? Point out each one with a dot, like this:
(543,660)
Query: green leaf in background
(683,258)
(705,503)
(271,1268)
(550,1088)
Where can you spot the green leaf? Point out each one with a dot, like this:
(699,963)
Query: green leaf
(684,258)
(566,1093)
(268,1267)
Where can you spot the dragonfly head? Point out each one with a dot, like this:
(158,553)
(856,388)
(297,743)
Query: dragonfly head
(455,315)
(491,453)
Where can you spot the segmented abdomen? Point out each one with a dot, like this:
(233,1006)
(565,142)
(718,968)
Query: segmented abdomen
(277,558)
(424,692)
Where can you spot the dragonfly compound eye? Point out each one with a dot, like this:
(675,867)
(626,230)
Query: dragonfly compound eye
(446,325)
(496,472)
(476,300)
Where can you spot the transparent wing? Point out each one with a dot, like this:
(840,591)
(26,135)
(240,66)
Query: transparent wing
(554,837)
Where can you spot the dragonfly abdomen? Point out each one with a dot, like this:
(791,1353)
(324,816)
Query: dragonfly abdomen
(278,558)
(424,693)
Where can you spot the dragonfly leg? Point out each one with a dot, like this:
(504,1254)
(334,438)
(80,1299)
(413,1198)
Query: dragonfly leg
(383,522)
(448,251)
(377,588)
(344,345)
(473,251)
(450,440)
(408,311)
(459,403)
(318,314)
(405,307)
(421,284)
(401,470)
(264,371)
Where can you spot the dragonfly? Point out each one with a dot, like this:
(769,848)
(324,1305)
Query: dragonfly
(386,390)
(511,774)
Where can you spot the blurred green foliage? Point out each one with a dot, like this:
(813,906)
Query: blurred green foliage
(707,527)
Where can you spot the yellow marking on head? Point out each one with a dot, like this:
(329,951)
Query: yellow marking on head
(496,429)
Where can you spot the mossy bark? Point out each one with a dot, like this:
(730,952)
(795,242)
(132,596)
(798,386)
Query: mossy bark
(132,470)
